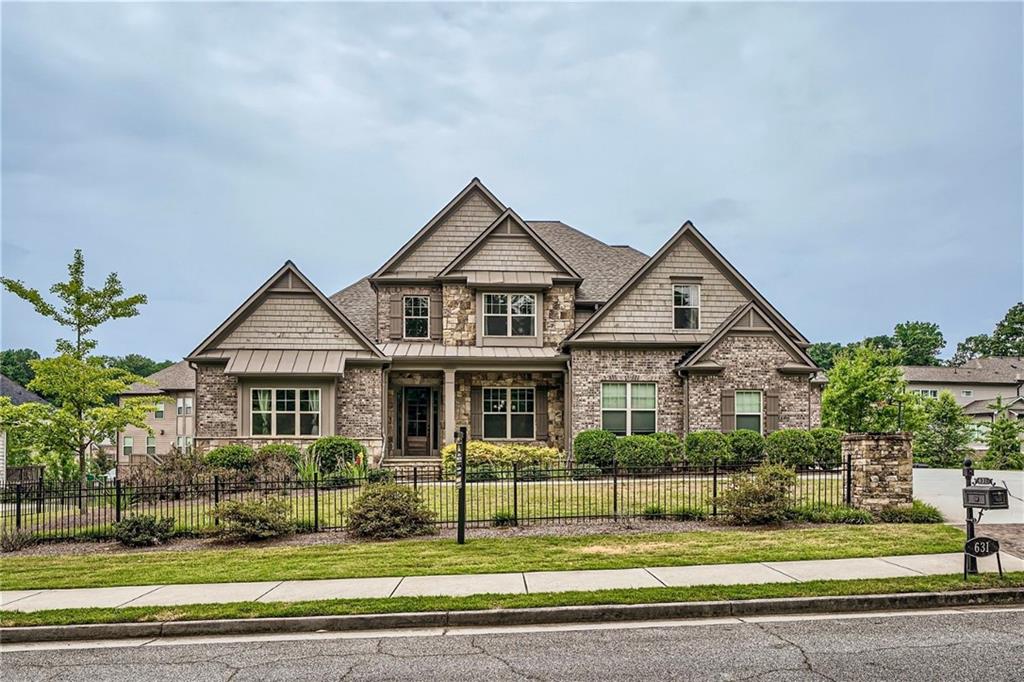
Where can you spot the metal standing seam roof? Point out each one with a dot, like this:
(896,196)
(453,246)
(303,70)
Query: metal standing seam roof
(416,349)
(285,362)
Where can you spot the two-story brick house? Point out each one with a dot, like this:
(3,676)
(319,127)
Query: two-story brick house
(529,331)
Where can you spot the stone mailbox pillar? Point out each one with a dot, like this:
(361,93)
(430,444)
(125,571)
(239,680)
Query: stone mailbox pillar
(881,469)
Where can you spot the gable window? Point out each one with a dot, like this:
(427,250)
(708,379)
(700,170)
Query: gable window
(416,312)
(158,413)
(510,314)
(629,409)
(748,411)
(967,393)
(686,306)
(285,412)
(150,445)
(127,445)
(508,413)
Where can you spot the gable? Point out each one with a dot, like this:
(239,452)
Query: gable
(445,236)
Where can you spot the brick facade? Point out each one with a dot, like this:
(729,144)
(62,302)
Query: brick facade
(216,403)
(358,410)
(551,382)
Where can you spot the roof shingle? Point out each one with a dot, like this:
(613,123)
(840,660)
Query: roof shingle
(176,377)
(994,370)
(9,388)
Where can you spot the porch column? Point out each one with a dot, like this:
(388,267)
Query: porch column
(449,407)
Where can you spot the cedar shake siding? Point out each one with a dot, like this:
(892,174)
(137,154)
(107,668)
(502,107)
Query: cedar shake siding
(289,321)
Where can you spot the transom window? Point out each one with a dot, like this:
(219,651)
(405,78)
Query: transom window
(150,445)
(508,413)
(510,314)
(285,412)
(417,317)
(629,409)
(748,411)
(686,306)
(128,445)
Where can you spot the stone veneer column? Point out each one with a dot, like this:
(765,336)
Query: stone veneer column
(449,407)
(881,469)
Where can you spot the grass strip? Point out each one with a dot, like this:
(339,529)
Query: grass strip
(485,555)
(654,595)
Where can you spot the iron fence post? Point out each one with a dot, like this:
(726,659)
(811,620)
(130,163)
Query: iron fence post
(615,489)
(461,533)
(117,499)
(515,492)
(849,481)
(17,506)
(415,477)
(216,497)
(714,486)
(39,497)
(316,501)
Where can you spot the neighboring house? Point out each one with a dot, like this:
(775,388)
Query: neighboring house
(975,385)
(524,331)
(173,423)
(9,388)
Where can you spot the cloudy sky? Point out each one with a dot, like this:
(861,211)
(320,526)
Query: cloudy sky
(860,163)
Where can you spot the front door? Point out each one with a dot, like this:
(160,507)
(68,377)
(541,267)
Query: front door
(417,421)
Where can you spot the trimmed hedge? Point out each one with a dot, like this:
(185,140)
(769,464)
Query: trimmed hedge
(704,446)
(595,447)
(386,511)
(143,530)
(918,512)
(635,452)
(280,450)
(746,445)
(334,452)
(791,447)
(499,455)
(828,447)
(671,444)
(256,519)
(236,457)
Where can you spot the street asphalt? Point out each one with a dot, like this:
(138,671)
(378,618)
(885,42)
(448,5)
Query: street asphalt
(981,644)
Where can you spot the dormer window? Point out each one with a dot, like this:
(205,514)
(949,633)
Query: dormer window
(686,306)
(416,317)
(510,314)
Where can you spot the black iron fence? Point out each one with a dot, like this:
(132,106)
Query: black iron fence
(494,496)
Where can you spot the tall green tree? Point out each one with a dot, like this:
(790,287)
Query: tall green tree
(82,389)
(1003,440)
(137,364)
(920,342)
(944,439)
(1006,339)
(972,347)
(824,353)
(14,363)
(866,392)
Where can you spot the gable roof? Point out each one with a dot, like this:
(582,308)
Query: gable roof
(688,229)
(291,278)
(9,388)
(981,407)
(177,377)
(752,317)
(474,186)
(991,370)
(513,218)
(359,302)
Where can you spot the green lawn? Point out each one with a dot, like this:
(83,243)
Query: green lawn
(412,604)
(425,557)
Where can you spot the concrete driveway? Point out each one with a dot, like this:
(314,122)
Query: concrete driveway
(943,488)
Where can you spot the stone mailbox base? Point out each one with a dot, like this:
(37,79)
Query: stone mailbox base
(881,469)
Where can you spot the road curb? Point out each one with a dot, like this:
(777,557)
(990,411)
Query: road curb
(529,616)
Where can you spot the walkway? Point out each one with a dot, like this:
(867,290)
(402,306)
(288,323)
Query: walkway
(497,583)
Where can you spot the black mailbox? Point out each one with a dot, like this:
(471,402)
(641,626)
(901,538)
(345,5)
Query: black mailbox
(986,497)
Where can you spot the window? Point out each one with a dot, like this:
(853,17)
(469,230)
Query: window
(417,317)
(181,406)
(127,445)
(926,392)
(188,406)
(629,409)
(508,413)
(510,314)
(158,413)
(282,411)
(184,444)
(686,306)
(150,445)
(748,411)
(967,393)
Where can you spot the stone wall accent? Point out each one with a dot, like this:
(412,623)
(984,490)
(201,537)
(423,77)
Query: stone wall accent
(751,363)
(384,293)
(358,407)
(559,313)
(816,390)
(552,382)
(459,315)
(216,404)
(592,366)
(881,469)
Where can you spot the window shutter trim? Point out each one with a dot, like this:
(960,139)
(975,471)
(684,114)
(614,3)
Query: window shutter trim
(476,413)
(540,417)
(395,326)
(728,410)
(771,412)
(436,324)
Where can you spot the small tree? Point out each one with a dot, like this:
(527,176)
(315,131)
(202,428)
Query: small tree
(866,392)
(945,437)
(1003,440)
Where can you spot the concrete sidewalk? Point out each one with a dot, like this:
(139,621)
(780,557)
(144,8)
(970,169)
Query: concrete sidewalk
(498,583)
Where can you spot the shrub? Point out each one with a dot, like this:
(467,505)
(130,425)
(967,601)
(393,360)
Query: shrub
(143,530)
(234,457)
(380,476)
(918,512)
(13,539)
(533,473)
(671,445)
(481,472)
(595,447)
(499,455)
(830,514)
(792,447)
(828,447)
(689,514)
(652,512)
(746,445)
(253,519)
(760,496)
(582,472)
(273,462)
(704,446)
(504,519)
(336,451)
(388,511)
(635,452)
(280,450)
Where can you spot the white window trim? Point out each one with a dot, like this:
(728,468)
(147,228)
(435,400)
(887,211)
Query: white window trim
(158,413)
(926,392)
(188,407)
(967,393)
(508,413)
(415,317)
(128,445)
(150,439)
(696,288)
(180,407)
(629,404)
(508,314)
(759,413)
(298,412)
